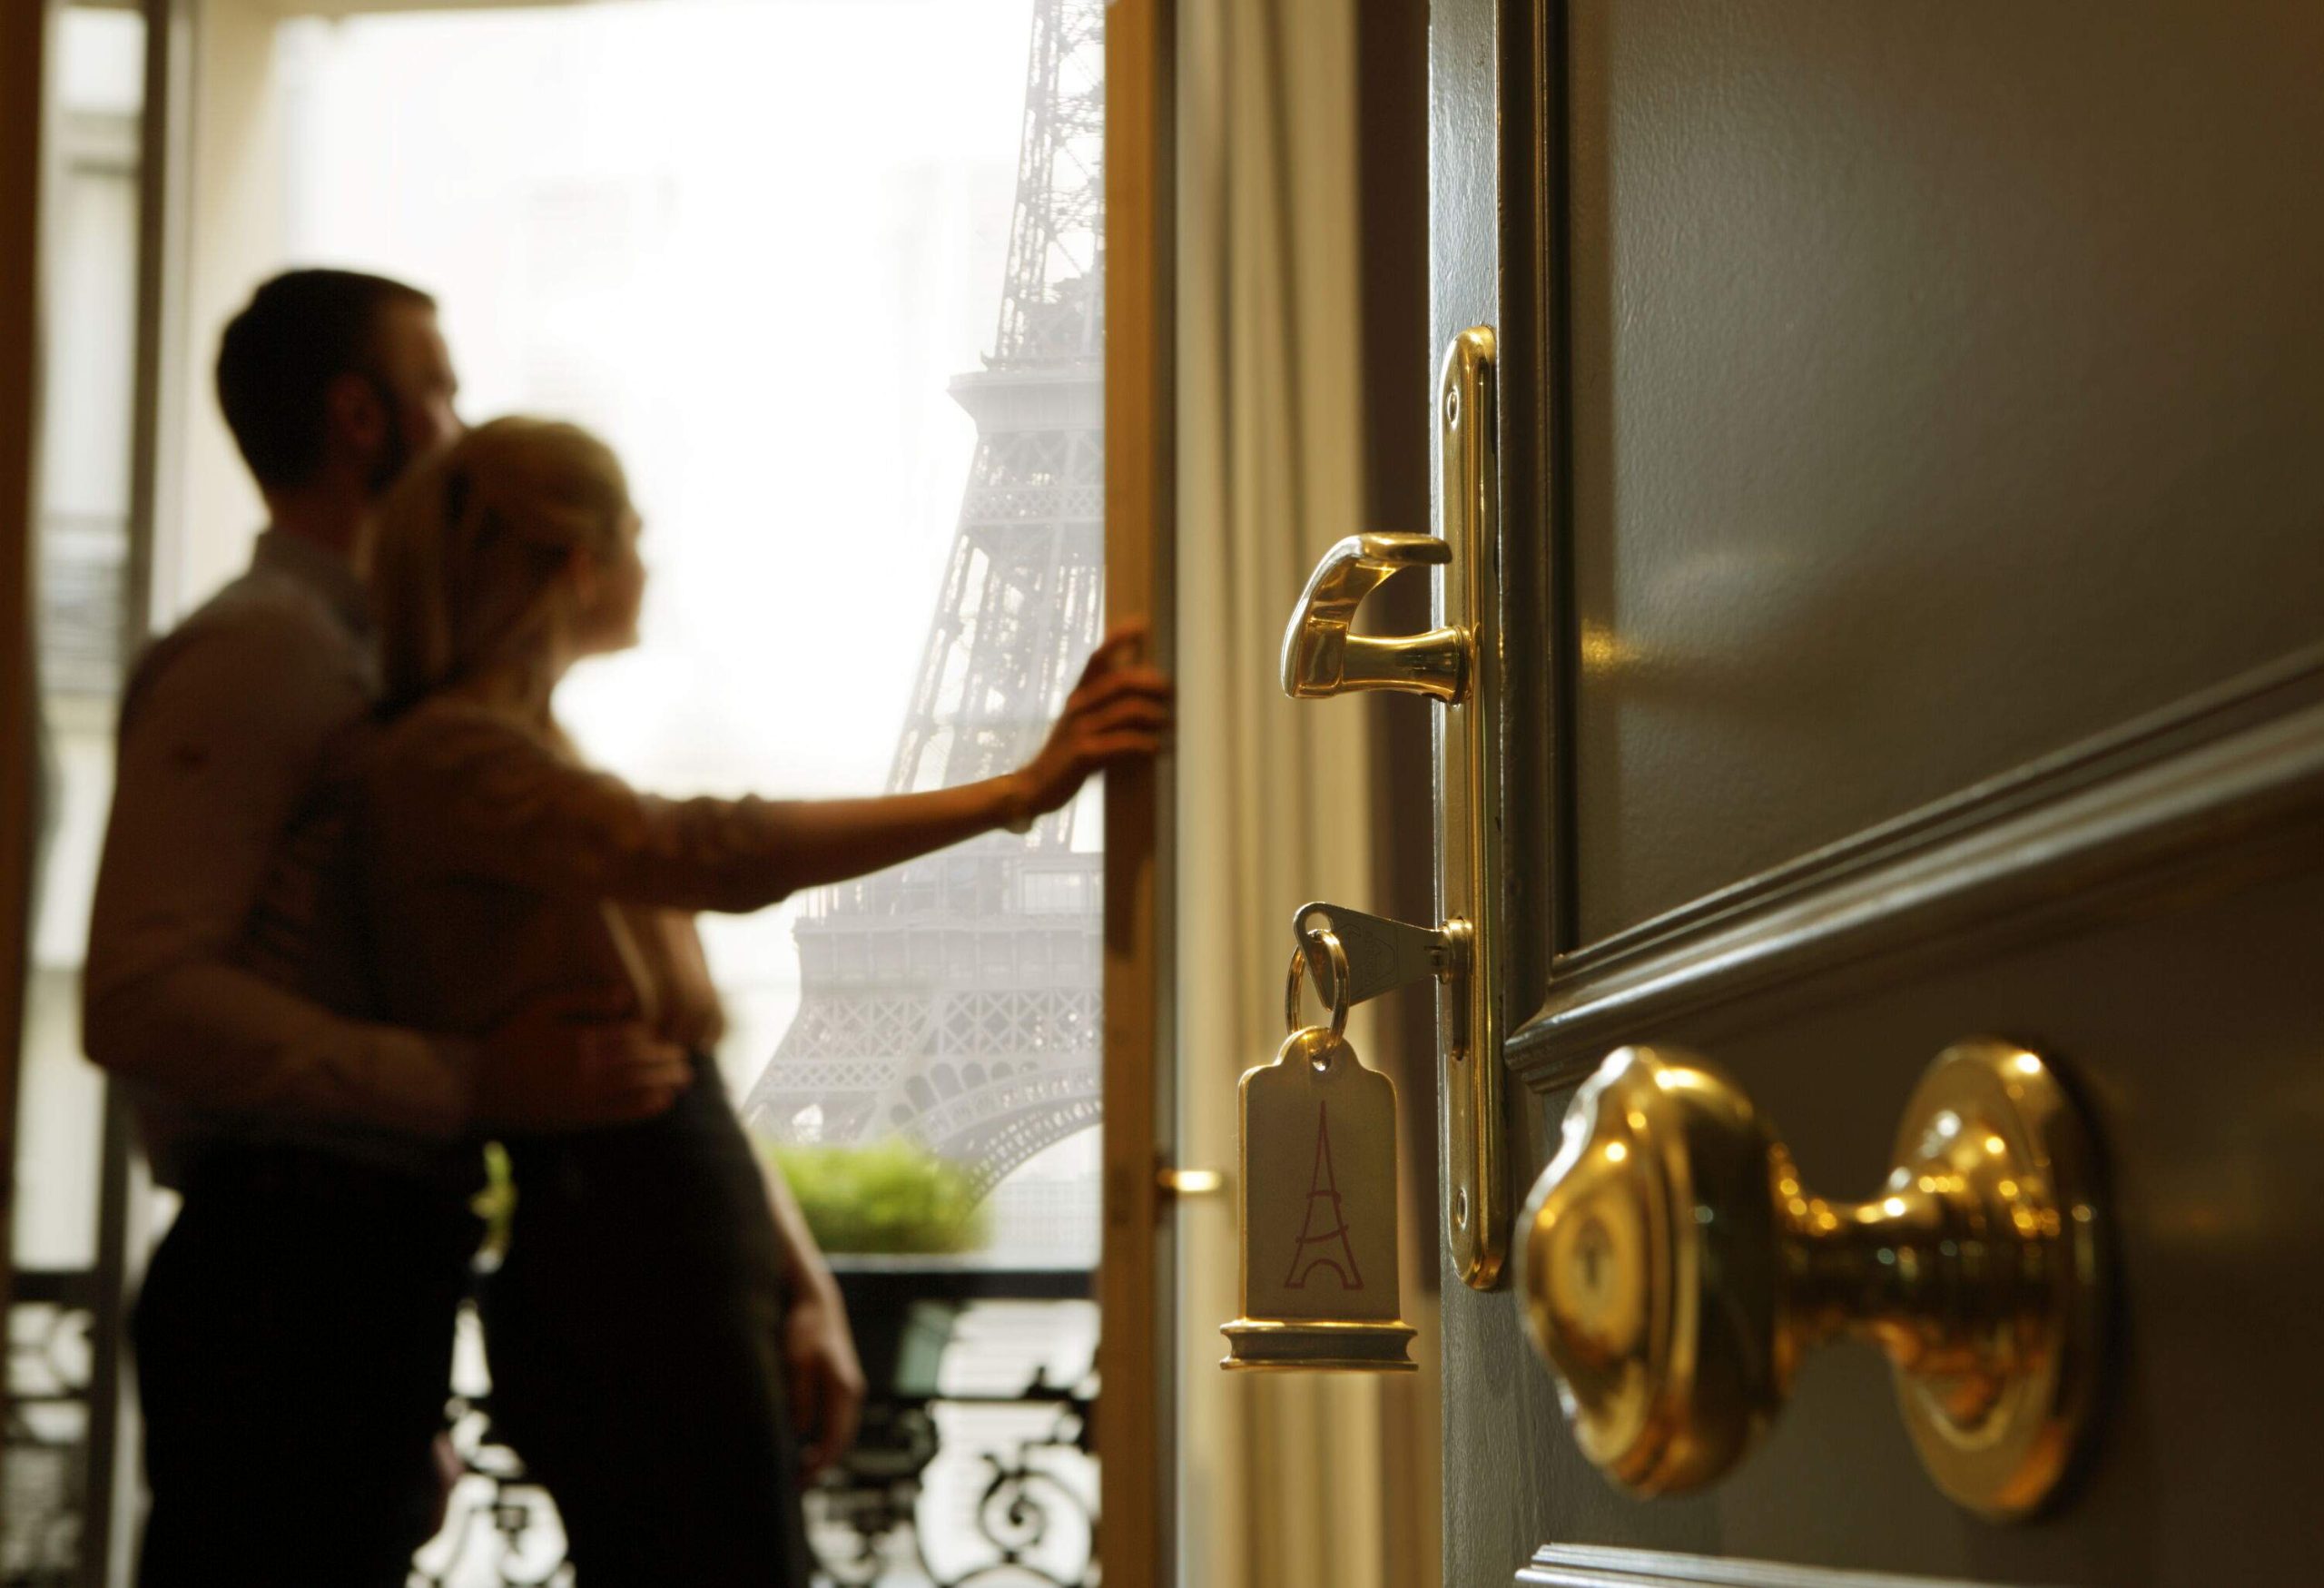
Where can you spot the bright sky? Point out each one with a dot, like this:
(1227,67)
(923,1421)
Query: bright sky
(748,241)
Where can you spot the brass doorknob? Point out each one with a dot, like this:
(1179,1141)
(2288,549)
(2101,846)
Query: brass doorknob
(1320,658)
(1674,1270)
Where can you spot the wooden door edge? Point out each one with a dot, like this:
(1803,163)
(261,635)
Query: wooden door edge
(1135,1430)
(24,39)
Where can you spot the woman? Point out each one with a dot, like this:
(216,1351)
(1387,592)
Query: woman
(663,1317)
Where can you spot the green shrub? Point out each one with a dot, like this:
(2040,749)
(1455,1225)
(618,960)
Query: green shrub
(890,1197)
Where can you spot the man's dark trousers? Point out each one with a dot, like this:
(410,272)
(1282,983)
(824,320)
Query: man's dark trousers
(294,1342)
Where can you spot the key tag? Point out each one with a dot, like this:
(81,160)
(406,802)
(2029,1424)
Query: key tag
(1317,1202)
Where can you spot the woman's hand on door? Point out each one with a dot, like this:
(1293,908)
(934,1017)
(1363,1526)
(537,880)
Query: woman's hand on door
(1119,710)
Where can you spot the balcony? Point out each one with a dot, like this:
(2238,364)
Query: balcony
(975,1464)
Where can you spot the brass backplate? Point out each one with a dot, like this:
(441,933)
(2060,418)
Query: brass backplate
(1997,1419)
(1468,848)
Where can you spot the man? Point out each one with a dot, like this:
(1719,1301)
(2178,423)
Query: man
(293,1335)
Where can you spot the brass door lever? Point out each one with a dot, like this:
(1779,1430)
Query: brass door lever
(1320,658)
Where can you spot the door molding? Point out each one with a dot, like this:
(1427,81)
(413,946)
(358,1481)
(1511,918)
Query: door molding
(1558,1565)
(2216,787)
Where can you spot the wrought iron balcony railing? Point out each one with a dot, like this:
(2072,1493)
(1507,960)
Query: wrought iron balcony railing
(974,1464)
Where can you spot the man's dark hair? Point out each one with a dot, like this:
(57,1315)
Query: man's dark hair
(299,332)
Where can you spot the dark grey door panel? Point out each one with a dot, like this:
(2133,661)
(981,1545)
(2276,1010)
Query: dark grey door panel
(1947,386)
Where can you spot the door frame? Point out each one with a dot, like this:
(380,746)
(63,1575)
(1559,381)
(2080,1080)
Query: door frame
(1136,1426)
(1497,163)
(31,147)
(25,33)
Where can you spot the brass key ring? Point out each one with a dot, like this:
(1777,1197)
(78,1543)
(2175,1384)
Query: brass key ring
(1331,942)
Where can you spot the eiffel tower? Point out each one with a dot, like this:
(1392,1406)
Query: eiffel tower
(954,1000)
(1324,1187)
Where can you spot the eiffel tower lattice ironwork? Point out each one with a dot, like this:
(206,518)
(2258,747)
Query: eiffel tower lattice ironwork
(954,1000)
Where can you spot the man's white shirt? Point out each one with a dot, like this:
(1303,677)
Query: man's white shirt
(225,727)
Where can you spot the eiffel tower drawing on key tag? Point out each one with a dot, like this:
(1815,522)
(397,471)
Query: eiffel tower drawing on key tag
(1324,1187)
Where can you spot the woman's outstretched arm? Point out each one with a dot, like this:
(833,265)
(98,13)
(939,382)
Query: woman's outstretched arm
(478,794)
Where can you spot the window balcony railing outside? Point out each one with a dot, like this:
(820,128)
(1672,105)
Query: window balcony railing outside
(974,1463)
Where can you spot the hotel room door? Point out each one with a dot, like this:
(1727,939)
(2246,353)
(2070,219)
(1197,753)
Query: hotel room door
(1911,589)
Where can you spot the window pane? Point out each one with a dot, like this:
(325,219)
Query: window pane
(83,560)
(63,1338)
(846,339)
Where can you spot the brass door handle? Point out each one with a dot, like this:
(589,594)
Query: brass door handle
(1674,1270)
(1320,658)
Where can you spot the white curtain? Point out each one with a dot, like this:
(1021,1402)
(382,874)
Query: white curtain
(1282,1478)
